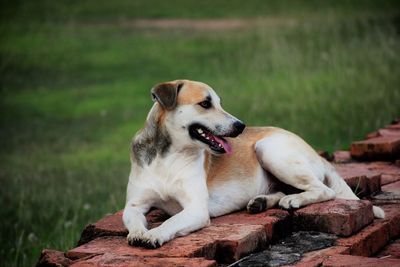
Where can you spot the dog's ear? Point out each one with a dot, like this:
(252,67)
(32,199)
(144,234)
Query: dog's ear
(166,94)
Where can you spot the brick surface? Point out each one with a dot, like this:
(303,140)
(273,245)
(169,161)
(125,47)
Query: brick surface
(393,188)
(384,147)
(315,258)
(112,225)
(369,240)
(385,198)
(395,125)
(348,260)
(339,216)
(361,179)
(341,156)
(227,242)
(356,172)
(54,258)
(275,221)
(385,133)
(392,250)
(114,260)
(392,217)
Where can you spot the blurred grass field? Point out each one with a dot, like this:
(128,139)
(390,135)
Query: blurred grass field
(76,75)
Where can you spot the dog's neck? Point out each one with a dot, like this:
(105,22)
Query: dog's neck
(151,140)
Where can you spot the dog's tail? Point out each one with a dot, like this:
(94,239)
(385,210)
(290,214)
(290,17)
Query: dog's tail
(342,190)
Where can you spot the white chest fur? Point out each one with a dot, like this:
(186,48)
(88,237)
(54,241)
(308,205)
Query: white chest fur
(170,182)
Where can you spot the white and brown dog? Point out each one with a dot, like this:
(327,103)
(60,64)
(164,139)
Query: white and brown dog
(185,162)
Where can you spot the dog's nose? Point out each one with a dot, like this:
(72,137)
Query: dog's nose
(239,127)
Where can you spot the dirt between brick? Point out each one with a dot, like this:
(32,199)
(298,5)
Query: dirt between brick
(288,250)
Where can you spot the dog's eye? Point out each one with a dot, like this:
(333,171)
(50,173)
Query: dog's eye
(205,104)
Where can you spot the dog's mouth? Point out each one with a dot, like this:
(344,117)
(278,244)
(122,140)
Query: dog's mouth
(216,143)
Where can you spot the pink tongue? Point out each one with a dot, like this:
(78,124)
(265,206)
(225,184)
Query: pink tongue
(225,144)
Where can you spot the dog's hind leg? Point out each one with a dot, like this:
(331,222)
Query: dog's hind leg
(293,162)
(264,202)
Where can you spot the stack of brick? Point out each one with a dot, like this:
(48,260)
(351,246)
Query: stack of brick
(361,239)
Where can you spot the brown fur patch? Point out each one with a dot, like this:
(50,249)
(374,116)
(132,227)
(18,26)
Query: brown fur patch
(243,163)
(192,93)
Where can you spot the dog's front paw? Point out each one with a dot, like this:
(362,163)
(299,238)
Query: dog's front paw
(148,239)
(135,237)
(153,239)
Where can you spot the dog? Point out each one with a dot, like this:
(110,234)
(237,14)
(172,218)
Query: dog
(194,160)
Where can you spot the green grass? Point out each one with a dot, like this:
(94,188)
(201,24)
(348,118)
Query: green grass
(75,88)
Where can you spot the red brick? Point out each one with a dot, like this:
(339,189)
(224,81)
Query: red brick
(393,188)
(114,260)
(369,240)
(54,258)
(384,132)
(275,221)
(387,178)
(342,156)
(350,261)
(112,225)
(362,179)
(395,125)
(315,258)
(353,172)
(390,194)
(392,250)
(119,245)
(228,242)
(339,216)
(386,169)
(385,198)
(392,217)
(385,147)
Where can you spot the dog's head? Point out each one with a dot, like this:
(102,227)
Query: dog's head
(192,114)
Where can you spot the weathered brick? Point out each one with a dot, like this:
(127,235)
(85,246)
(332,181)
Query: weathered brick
(392,217)
(393,188)
(339,216)
(354,173)
(115,260)
(112,225)
(361,179)
(342,156)
(315,258)
(179,247)
(397,163)
(369,240)
(275,221)
(385,198)
(384,147)
(392,250)
(390,194)
(228,242)
(348,260)
(389,171)
(53,258)
(384,132)
(395,125)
